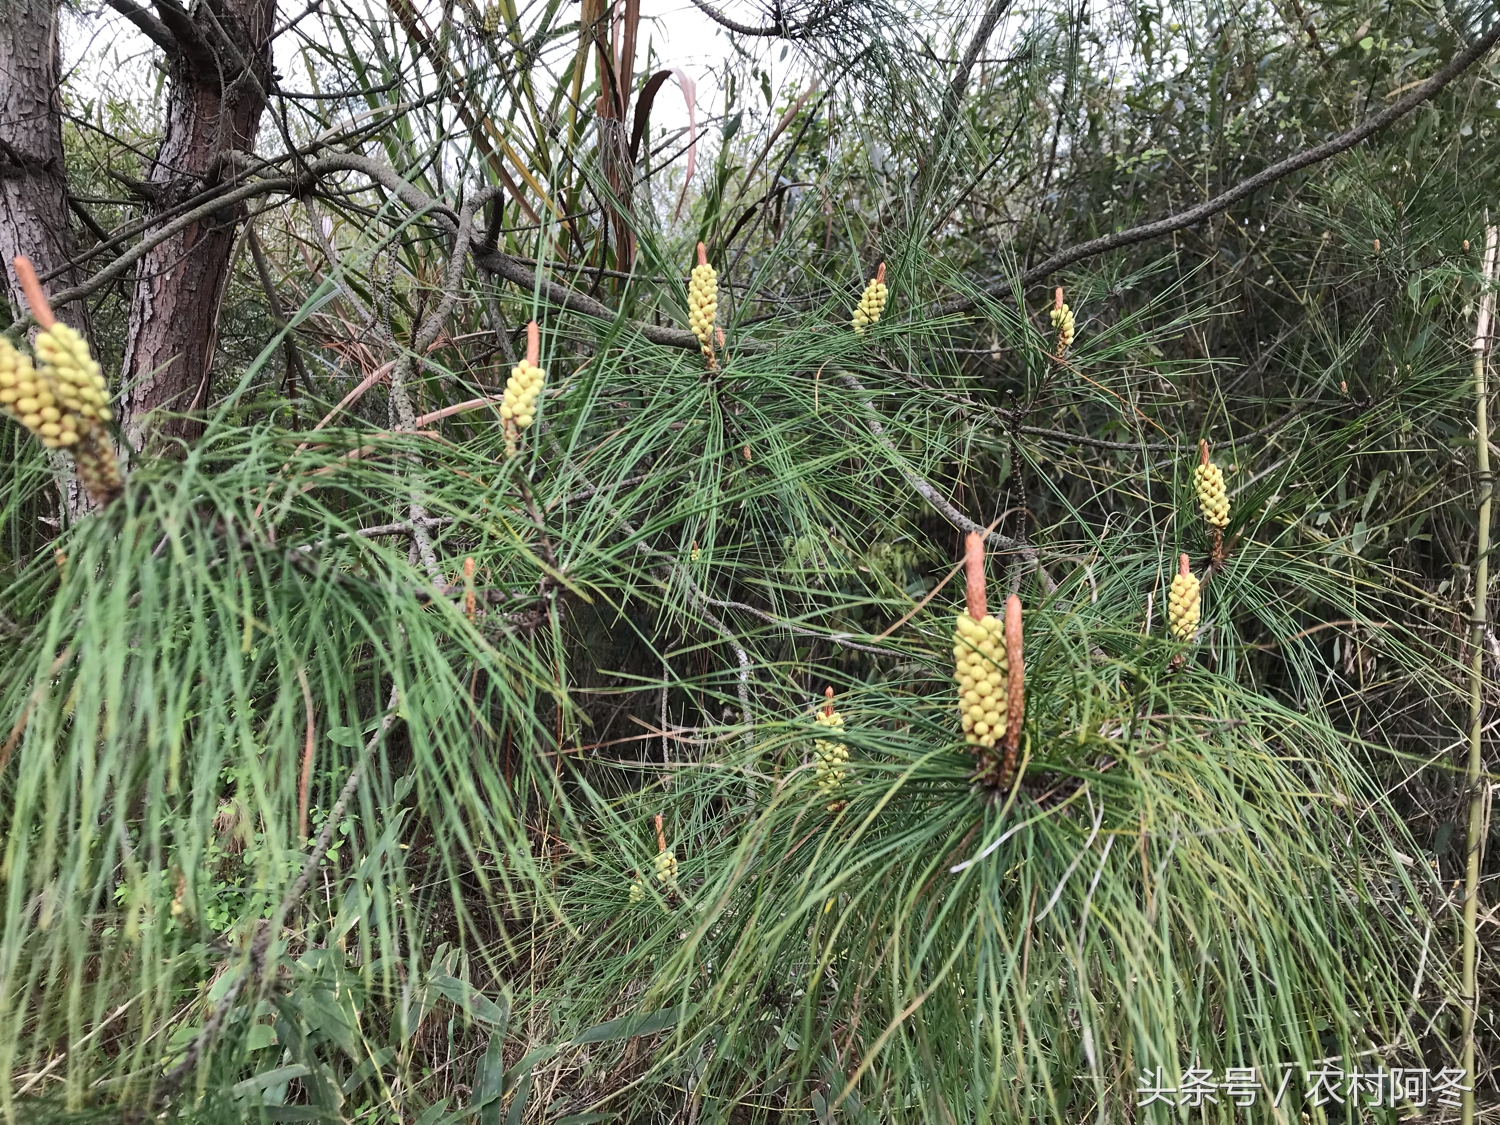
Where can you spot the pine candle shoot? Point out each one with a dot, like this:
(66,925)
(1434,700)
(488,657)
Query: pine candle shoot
(1063,322)
(522,389)
(1208,483)
(830,757)
(1184,602)
(980,664)
(871,303)
(703,301)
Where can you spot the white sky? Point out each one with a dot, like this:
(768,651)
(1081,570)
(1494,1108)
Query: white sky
(107,57)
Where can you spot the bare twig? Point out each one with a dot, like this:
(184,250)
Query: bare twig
(399,528)
(1000,542)
(52,1065)
(147,24)
(777,30)
(503,265)
(1264,178)
(843,640)
(948,115)
(295,371)
(406,367)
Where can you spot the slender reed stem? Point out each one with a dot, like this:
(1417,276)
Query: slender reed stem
(1476,666)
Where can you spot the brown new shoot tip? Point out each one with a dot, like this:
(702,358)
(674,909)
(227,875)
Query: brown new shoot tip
(31,285)
(974,575)
(702,255)
(1057,298)
(533,344)
(661,837)
(828,695)
(1184,565)
(1016,681)
(880,274)
(1203,451)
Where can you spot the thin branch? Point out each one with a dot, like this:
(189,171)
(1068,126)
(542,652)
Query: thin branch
(33,1079)
(1223,201)
(503,265)
(959,84)
(499,264)
(147,24)
(406,367)
(188,40)
(75,206)
(295,20)
(843,639)
(1158,446)
(122,264)
(399,528)
(933,496)
(778,30)
(294,368)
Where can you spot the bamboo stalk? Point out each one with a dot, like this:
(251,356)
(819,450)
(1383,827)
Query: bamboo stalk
(1476,663)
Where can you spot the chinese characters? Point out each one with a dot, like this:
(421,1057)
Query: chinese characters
(1323,1084)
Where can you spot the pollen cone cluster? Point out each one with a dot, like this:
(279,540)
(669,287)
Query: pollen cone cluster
(1184,603)
(518,404)
(666,870)
(1062,321)
(94,457)
(76,378)
(27,397)
(1213,500)
(521,391)
(830,757)
(872,303)
(637,891)
(703,301)
(63,400)
(981,668)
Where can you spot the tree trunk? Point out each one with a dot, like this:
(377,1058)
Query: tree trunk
(213,110)
(33,188)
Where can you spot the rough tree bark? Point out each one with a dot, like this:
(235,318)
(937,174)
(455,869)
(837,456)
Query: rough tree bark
(33,188)
(220,66)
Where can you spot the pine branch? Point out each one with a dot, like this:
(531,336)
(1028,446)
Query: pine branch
(941,503)
(1245,188)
